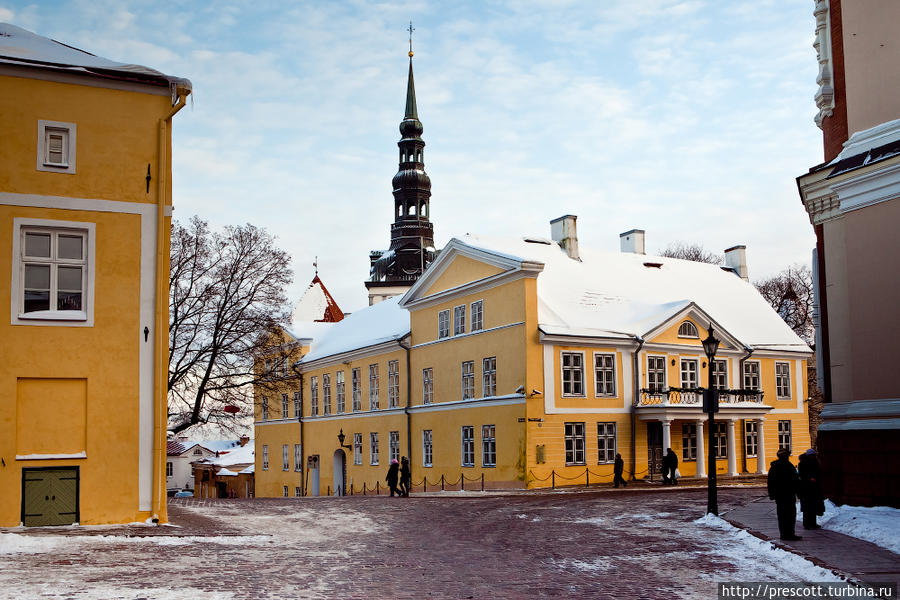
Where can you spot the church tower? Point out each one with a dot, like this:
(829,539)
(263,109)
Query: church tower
(392,272)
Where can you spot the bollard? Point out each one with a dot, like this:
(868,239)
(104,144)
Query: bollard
(482,482)
(377,488)
(351,489)
(425,485)
(553,475)
(587,478)
(328,493)
(442,482)
(462,482)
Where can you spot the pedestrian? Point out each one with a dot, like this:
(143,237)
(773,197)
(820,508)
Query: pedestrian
(618,468)
(783,485)
(405,477)
(670,467)
(393,475)
(812,501)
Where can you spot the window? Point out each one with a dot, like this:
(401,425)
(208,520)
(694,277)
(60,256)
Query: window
(326,394)
(468,379)
(198,452)
(298,457)
(751,375)
(56,146)
(605,374)
(783,379)
(489,377)
(488,446)
(606,443)
(265,458)
(427,385)
(393,383)
(314,395)
(478,315)
(574,443)
(443,324)
(297,491)
(284,406)
(751,438)
(689,373)
(355,390)
(339,391)
(268,370)
(53,271)
(720,374)
(284,491)
(688,329)
(357,449)
(373,448)
(394,440)
(297,405)
(572,374)
(721,441)
(656,373)
(426,448)
(265,409)
(373,388)
(169,469)
(784,435)
(468,446)
(285,462)
(689,441)
(459,320)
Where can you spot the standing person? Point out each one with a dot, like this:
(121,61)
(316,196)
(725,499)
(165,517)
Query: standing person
(618,468)
(812,501)
(783,484)
(670,463)
(405,477)
(393,475)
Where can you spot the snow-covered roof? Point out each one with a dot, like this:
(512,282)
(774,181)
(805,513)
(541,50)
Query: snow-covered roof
(242,455)
(867,139)
(614,294)
(372,325)
(21,47)
(316,304)
(220,445)
(226,472)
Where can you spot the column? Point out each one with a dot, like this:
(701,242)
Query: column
(667,435)
(701,449)
(760,447)
(732,450)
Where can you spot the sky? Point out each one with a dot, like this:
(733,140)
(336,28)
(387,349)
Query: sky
(689,119)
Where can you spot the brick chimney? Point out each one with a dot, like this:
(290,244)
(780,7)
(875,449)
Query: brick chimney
(632,241)
(563,232)
(736,258)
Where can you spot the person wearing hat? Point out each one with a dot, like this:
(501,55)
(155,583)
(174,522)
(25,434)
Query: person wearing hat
(812,501)
(393,475)
(783,486)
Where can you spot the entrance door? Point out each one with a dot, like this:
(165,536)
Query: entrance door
(312,469)
(50,496)
(654,448)
(340,473)
(222,489)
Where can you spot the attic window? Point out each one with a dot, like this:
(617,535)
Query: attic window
(537,240)
(688,330)
(653,265)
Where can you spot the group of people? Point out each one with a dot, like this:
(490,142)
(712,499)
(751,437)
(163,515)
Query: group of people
(399,477)
(787,483)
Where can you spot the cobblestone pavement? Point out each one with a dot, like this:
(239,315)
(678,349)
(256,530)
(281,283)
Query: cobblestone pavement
(587,544)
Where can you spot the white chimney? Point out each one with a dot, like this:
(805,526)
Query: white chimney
(736,258)
(563,232)
(632,241)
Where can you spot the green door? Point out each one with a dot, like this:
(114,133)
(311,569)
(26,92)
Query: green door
(50,496)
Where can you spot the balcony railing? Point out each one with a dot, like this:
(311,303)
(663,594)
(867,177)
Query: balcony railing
(674,396)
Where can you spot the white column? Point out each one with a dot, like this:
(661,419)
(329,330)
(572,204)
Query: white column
(701,450)
(760,447)
(732,451)
(667,435)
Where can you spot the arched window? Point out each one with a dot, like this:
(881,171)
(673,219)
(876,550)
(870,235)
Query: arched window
(688,329)
(412,210)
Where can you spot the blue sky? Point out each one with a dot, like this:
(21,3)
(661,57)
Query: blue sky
(689,119)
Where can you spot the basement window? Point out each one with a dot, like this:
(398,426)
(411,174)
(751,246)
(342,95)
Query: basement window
(56,147)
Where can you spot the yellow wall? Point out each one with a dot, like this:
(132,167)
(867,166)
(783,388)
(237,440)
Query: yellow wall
(461,271)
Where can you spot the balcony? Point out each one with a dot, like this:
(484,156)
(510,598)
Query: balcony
(691,397)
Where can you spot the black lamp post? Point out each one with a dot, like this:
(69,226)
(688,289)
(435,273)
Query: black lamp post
(711,407)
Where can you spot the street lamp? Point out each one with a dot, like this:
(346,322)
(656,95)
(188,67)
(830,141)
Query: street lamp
(711,407)
(341,438)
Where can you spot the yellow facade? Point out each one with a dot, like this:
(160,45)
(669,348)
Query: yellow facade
(82,388)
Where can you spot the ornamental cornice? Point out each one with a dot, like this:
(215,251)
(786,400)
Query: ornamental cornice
(825,94)
(823,209)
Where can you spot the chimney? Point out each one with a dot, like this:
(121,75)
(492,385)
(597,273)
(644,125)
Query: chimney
(244,440)
(632,241)
(736,258)
(562,230)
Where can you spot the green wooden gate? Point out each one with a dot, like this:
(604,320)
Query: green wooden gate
(50,496)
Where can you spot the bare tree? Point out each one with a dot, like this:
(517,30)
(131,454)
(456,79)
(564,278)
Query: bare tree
(226,299)
(694,252)
(790,293)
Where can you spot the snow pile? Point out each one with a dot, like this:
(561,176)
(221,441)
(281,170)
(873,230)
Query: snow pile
(879,524)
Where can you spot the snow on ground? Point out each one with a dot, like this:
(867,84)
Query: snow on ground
(879,524)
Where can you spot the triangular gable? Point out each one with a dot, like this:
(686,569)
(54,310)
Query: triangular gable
(701,319)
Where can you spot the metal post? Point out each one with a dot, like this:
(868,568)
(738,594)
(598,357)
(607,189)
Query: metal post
(482,482)
(553,474)
(712,501)
(462,482)
(351,489)
(442,482)
(328,493)
(364,488)
(377,487)
(587,478)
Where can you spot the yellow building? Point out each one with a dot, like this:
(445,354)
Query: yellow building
(526,363)
(85,217)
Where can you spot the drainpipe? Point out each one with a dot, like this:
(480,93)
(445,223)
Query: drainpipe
(741,375)
(406,410)
(302,447)
(161,325)
(636,369)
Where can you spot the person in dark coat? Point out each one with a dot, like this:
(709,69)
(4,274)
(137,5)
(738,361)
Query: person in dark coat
(783,485)
(405,477)
(393,476)
(618,468)
(670,464)
(812,501)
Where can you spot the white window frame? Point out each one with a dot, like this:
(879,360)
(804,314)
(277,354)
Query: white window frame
(607,433)
(393,383)
(574,443)
(488,445)
(357,449)
(265,457)
(459,319)
(467,379)
(394,445)
(719,368)
(170,469)
(296,491)
(695,335)
(489,377)
(326,393)
(477,316)
(610,370)
(298,405)
(571,369)
(314,396)
(751,438)
(373,387)
(285,492)
(70,135)
(720,440)
(264,410)
(373,448)
(696,371)
(689,442)
(751,373)
(427,385)
(427,447)
(654,373)
(785,440)
(284,406)
(467,446)
(783,380)
(339,392)
(60,318)
(298,457)
(444,324)
(285,458)
(356,389)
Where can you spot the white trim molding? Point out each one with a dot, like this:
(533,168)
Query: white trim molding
(869,188)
